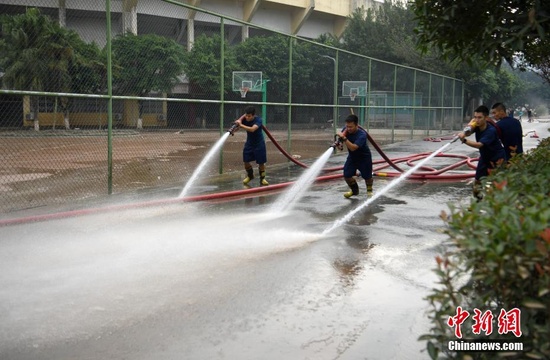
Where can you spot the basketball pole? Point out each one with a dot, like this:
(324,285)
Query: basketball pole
(264,100)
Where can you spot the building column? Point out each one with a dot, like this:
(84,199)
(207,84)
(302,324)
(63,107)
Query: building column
(62,13)
(245,32)
(129,16)
(190,34)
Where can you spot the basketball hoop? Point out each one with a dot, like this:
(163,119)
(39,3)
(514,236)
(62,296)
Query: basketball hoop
(244,90)
(352,96)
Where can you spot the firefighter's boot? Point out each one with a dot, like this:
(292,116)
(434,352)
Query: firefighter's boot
(354,190)
(250,176)
(263,181)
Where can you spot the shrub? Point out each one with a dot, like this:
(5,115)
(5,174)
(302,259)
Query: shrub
(498,257)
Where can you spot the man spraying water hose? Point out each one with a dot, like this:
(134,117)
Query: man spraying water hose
(254,147)
(491,151)
(359,155)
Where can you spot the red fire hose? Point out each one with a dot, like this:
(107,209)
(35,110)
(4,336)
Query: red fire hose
(428,173)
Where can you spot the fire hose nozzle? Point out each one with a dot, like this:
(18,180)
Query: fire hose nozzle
(468,130)
(337,143)
(233,128)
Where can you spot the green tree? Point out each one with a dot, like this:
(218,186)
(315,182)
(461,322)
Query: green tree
(270,55)
(543,62)
(366,28)
(490,86)
(534,91)
(89,70)
(39,55)
(147,63)
(202,65)
(490,30)
(396,24)
(313,75)
(59,58)
(20,50)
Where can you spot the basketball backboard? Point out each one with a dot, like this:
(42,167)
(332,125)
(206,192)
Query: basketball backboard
(352,89)
(247,81)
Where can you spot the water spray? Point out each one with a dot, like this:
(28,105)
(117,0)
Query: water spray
(203,164)
(290,198)
(384,190)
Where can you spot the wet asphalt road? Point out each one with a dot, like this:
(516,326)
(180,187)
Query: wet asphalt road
(230,280)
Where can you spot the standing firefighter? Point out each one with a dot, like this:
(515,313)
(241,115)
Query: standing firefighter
(254,147)
(512,132)
(359,156)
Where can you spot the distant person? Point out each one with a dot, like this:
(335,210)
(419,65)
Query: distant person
(491,151)
(510,129)
(529,116)
(520,113)
(359,156)
(254,147)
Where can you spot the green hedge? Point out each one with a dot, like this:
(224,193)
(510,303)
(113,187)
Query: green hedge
(498,257)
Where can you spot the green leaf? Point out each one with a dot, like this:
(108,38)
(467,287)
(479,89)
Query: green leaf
(523,272)
(534,304)
(432,350)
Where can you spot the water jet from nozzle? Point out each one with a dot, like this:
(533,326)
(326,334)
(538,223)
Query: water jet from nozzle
(203,164)
(383,191)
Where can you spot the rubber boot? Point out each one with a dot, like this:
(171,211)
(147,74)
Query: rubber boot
(263,181)
(354,190)
(476,190)
(369,183)
(250,176)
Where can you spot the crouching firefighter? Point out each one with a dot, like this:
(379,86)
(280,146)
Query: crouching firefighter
(359,156)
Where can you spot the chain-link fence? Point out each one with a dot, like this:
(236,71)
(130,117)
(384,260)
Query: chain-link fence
(111,97)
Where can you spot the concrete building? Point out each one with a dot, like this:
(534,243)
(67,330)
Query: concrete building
(304,18)
(243,18)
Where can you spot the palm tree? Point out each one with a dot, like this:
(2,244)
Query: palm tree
(20,43)
(39,55)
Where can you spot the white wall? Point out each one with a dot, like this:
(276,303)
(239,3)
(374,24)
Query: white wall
(278,18)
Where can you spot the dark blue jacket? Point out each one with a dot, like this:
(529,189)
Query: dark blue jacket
(512,135)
